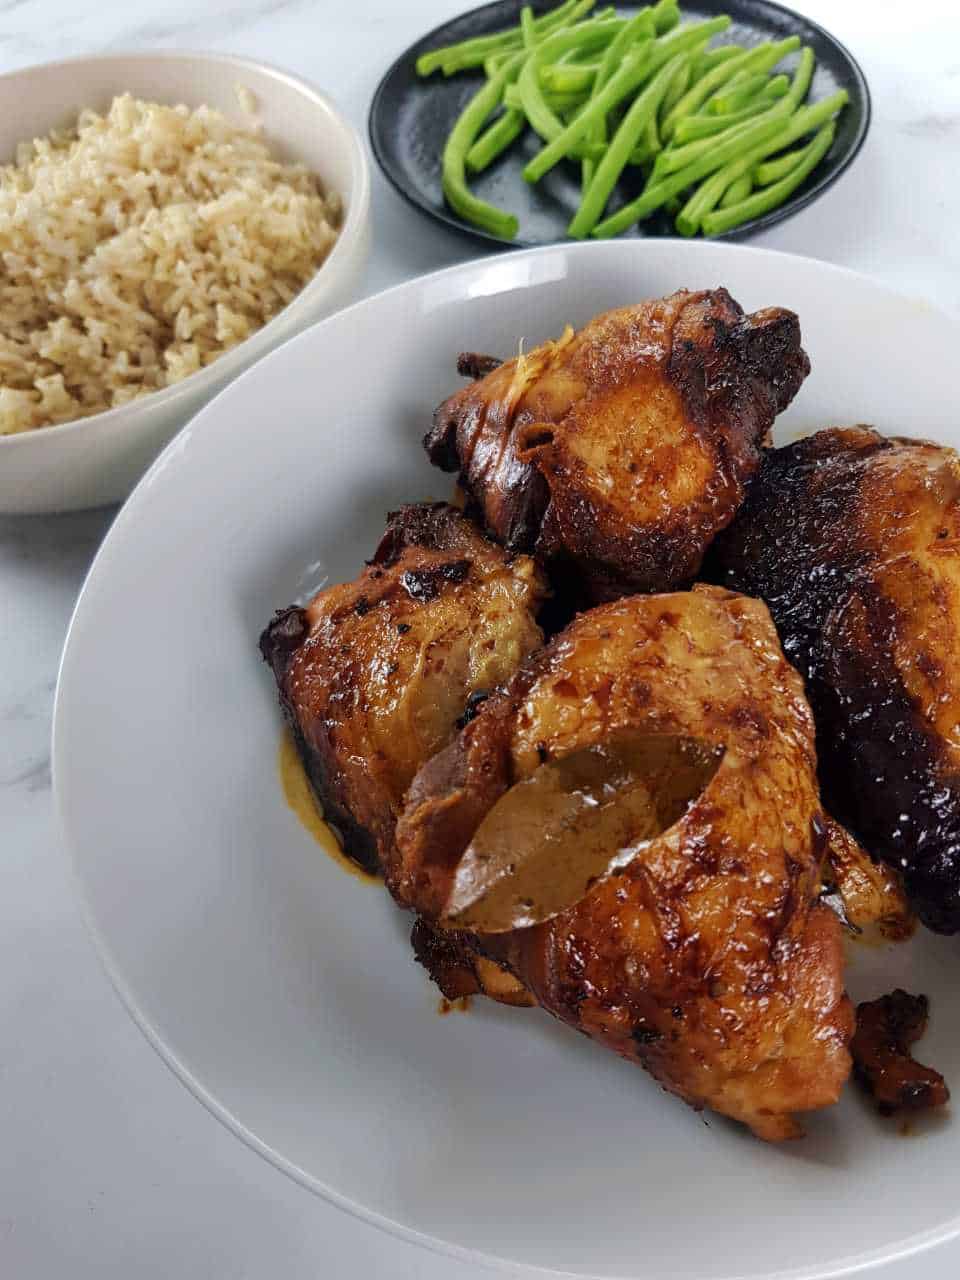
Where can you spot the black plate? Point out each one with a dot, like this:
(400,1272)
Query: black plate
(410,118)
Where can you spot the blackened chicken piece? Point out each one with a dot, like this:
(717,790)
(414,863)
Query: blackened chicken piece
(883,1062)
(375,674)
(708,958)
(618,452)
(853,540)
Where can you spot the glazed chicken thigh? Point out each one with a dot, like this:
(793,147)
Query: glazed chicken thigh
(374,674)
(618,452)
(706,957)
(853,540)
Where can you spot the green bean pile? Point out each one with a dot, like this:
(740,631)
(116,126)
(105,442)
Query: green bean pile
(701,123)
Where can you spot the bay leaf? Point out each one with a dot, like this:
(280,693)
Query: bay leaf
(570,824)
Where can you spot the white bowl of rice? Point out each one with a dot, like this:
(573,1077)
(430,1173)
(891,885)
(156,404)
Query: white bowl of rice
(165,220)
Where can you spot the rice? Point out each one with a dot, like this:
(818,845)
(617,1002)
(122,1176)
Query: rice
(138,247)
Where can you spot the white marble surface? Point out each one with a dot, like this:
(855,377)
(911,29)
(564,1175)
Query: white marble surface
(109,1168)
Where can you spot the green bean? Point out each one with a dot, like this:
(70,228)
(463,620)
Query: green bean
(643,107)
(657,193)
(569,11)
(694,128)
(528,31)
(565,15)
(453,169)
(736,96)
(678,158)
(698,93)
(666,16)
(681,83)
(594,34)
(624,82)
(640,156)
(761,58)
(711,58)
(767,89)
(773,170)
(706,197)
(493,63)
(468,54)
(663,50)
(566,78)
(737,191)
(776,87)
(712,192)
(575,56)
(495,139)
(769,198)
(557,102)
(472,52)
(640,27)
(684,38)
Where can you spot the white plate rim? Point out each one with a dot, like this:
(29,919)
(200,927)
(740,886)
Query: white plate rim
(919,1244)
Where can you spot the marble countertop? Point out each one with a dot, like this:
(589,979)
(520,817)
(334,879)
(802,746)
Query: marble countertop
(110,1168)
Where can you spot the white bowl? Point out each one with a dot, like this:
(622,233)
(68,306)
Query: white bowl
(97,460)
(282,990)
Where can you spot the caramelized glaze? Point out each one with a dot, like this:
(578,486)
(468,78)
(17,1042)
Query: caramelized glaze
(708,959)
(300,796)
(618,452)
(853,540)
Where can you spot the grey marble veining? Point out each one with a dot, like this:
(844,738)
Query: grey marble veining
(934,125)
(42,562)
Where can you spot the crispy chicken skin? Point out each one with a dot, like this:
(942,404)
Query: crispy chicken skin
(374,674)
(709,959)
(853,540)
(883,1062)
(618,452)
(872,899)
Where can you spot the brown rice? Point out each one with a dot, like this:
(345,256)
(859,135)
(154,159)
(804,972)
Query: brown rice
(137,248)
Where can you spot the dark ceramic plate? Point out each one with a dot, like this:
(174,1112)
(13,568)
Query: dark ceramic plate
(410,118)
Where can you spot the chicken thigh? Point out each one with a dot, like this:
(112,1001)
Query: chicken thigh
(706,957)
(618,452)
(853,540)
(374,674)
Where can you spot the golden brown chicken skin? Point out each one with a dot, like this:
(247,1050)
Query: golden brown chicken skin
(868,896)
(374,674)
(709,959)
(853,540)
(618,452)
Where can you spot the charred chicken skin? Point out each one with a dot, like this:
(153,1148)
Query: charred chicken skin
(618,452)
(853,540)
(883,1061)
(374,674)
(707,958)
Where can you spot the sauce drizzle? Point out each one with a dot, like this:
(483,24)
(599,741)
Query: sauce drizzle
(300,796)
